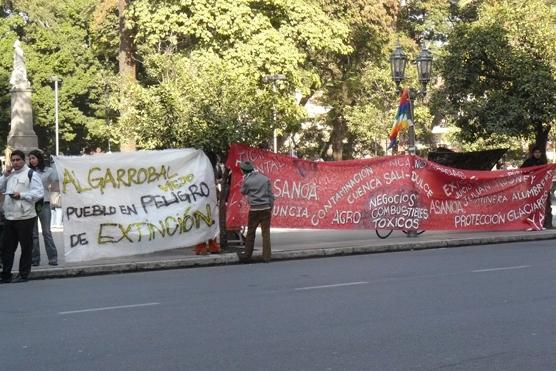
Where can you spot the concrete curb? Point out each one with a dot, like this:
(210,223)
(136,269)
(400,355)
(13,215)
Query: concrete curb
(229,258)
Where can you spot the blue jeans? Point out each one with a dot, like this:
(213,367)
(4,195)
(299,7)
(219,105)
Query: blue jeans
(44,218)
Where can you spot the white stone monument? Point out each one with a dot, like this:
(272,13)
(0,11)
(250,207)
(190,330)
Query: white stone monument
(22,136)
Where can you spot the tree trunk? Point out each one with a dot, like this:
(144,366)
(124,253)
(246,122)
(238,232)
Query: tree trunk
(339,125)
(125,57)
(128,73)
(338,134)
(541,135)
(223,201)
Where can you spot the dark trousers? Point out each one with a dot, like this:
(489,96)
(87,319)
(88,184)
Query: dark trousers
(1,241)
(548,213)
(255,218)
(17,231)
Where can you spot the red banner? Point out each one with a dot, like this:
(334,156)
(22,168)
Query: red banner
(394,192)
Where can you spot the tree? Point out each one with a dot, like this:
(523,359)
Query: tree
(500,72)
(56,41)
(226,46)
(430,20)
(128,77)
(200,101)
(369,119)
(370,24)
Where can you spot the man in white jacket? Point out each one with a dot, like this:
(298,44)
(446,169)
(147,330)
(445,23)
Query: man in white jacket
(21,190)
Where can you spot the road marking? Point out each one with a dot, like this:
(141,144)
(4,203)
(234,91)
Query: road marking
(329,286)
(108,308)
(500,269)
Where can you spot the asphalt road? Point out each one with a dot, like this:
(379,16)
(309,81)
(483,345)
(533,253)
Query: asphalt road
(475,308)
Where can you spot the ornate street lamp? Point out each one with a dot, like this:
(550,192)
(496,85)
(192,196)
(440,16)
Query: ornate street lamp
(398,61)
(423,62)
(424,67)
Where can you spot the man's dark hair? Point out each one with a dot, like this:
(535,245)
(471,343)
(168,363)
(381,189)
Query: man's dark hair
(17,152)
(40,156)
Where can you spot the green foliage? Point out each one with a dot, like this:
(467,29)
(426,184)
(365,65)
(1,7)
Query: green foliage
(105,40)
(345,84)
(56,42)
(271,36)
(200,65)
(223,49)
(202,101)
(370,119)
(427,19)
(500,72)
(64,56)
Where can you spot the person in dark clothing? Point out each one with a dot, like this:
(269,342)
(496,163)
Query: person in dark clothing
(538,157)
(258,190)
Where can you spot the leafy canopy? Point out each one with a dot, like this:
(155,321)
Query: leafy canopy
(56,42)
(203,63)
(500,72)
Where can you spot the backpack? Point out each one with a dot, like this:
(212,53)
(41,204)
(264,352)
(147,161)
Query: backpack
(40,203)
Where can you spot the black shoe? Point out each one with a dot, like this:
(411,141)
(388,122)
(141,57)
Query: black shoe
(5,280)
(35,264)
(19,278)
(52,263)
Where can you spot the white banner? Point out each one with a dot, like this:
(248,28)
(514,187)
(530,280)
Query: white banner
(121,204)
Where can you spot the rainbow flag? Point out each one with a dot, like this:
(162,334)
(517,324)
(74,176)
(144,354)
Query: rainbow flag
(403,118)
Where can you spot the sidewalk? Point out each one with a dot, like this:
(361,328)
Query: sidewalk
(287,244)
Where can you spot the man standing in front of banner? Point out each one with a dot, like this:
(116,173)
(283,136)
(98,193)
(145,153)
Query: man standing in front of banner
(21,189)
(258,190)
(537,158)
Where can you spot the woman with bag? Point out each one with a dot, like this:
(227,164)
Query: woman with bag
(49,180)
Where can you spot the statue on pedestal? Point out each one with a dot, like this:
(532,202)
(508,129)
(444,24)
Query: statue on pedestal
(19,73)
(21,136)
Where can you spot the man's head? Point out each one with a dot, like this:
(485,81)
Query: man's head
(536,151)
(246,167)
(17,159)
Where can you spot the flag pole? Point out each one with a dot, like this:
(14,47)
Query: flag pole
(411,128)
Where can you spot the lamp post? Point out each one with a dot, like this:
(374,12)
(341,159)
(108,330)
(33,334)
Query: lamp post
(423,63)
(398,61)
(56,80)
(272,79)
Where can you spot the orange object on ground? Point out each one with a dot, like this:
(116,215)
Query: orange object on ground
(214,247)
(201,249)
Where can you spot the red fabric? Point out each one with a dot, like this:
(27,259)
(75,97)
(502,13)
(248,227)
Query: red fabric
(201,248)
(213,247)
(393,192)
